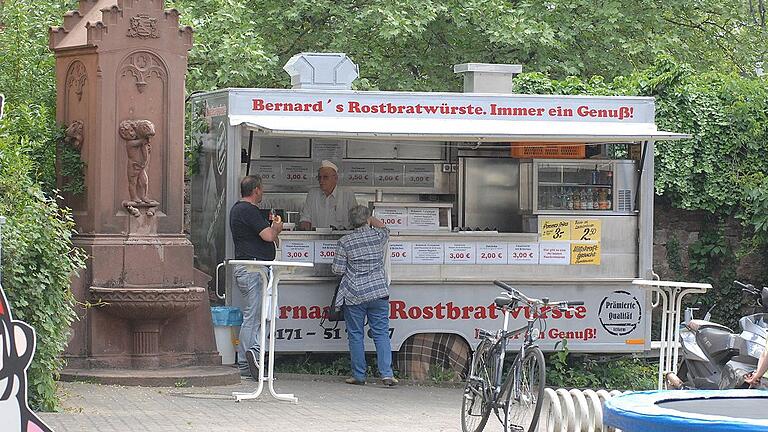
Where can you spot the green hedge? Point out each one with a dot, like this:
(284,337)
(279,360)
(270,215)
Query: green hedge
(38,257)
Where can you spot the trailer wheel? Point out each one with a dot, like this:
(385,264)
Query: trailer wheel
(428,356)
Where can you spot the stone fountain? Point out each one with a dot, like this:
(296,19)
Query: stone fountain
(120,71)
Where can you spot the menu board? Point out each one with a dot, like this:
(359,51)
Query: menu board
(388,175)
(269,171)
(400,253)
(393,217)
(420,175)
(491,253)
(453,253)
(358,174)
(298,250)
(427,218)
(325,251)
(585,253)
(327,149)
(554,230)
(298,173)
(585,230)
(427,253)
(459,253)
(554,253)
(523,253)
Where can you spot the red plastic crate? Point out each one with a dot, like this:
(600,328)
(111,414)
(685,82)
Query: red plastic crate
(542,150)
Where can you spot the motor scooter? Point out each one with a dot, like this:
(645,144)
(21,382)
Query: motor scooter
(713,356)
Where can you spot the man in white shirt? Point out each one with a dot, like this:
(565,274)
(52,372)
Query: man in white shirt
(328,205)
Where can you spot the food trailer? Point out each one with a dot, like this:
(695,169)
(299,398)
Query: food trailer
(552,194)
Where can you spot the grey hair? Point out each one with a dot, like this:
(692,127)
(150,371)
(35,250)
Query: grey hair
(249,183)
(358,215)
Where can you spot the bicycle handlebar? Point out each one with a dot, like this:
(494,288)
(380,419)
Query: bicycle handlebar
(529,300)
(501,284)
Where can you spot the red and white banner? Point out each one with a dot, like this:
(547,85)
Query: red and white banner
(442,105)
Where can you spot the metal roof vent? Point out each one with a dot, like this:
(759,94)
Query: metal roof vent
(321,71)
(487,77)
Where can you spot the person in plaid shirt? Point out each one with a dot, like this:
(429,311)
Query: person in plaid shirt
(364,292)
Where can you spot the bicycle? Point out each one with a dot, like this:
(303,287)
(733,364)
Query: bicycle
(519,395)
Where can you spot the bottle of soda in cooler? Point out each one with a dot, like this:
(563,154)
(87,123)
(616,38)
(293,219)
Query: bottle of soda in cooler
(562,198)
(576,199)
(587,199)
(595,200)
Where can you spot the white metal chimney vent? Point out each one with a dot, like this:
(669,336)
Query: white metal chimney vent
(321,71)
(487,77)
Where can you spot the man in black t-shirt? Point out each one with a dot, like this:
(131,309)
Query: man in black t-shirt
(254,238)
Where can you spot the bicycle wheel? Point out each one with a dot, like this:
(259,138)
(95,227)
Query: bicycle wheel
(523,398)
(475,408)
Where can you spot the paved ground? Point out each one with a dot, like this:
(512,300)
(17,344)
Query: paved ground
(323,406)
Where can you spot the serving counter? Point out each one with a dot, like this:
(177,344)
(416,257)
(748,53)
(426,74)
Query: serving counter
(481,256)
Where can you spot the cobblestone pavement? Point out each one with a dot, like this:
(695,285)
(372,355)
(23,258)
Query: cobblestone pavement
(322,406)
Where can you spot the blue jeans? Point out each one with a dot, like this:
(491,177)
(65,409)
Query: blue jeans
(250,287)
(377,312)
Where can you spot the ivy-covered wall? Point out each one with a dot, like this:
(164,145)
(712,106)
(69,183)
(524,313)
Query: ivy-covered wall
(691,246)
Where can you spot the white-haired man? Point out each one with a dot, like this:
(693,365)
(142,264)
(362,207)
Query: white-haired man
(327,206)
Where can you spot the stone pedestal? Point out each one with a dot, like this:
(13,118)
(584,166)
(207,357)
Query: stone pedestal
(120,67)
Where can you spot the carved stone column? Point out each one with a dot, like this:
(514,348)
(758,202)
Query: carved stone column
(120,67)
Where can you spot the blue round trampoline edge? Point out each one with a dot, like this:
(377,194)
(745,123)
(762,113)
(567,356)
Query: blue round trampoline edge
(639,411)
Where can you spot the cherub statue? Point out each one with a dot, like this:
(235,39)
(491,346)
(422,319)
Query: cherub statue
(137,134)
(74,134)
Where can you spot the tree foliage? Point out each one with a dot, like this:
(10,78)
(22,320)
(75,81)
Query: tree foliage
(38,257)
(38,261)
(28,82)
(413,44)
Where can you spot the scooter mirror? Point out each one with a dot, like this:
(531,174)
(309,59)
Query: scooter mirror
(764,299)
